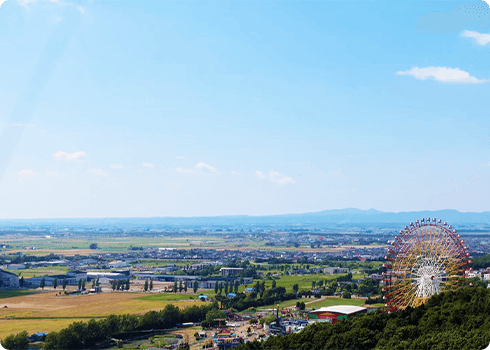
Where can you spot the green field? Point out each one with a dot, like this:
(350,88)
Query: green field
(14,293)
(304,281)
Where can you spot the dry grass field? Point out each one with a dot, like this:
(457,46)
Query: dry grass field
(51,309)
(8,327)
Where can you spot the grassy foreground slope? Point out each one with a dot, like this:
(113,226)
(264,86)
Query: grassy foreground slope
(457,320)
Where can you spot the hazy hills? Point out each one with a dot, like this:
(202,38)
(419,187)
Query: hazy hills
(321,218)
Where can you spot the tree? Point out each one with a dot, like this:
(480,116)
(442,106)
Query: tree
(313,284)
(83,284)
(180,287)
(93,246)
(146,285)
(274,283)
(226,287)
(185,287)
(21,282)
(16,342)
(55,283)
(296,288)
(175,287)
(194,287)
(151,284)
(236,287)
(127,284)
(216,287)
(42,284)
(80,284)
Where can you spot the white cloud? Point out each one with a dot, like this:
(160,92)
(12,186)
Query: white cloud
(233,172)
(81,10)
(199,169)
(442,74)
(60,155)
(279,178)
(98,172)
(148,165)
(1,2)
(25,174)
(205,168)
(480,38)
(275,177)
(52,173)
(259,174)
(116,166)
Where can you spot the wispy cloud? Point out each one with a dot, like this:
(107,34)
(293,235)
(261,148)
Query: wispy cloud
(1,2)
(233,172)
(25,174)
(199,169)
(480,38)
(98,172)
(60,155)
(205,167)
(52,173)
(260,175)
(442,74)
(148,165)
(275,177)
(116,166)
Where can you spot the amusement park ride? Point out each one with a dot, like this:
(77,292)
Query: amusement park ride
(426,258)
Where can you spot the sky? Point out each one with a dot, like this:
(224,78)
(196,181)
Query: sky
(204,108)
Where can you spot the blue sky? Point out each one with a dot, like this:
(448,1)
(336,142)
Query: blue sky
(160,108)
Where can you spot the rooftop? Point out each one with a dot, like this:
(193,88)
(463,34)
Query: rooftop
(341,309)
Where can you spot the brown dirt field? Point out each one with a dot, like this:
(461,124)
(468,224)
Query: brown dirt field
(104,304)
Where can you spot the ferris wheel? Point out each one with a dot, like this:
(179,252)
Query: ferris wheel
(426,258)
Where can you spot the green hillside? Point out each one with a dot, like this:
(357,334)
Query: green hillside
(457,320)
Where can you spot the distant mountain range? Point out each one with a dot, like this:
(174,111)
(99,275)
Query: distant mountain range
(352,215)
(338,216)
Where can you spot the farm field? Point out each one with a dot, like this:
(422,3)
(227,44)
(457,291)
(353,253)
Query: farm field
(8,327)
(51,312)
(70,246)
(304,281)
(40,271)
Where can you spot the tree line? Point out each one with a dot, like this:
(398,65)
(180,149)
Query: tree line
(83,335)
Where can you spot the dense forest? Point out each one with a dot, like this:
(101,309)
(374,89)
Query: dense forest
(457,320)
